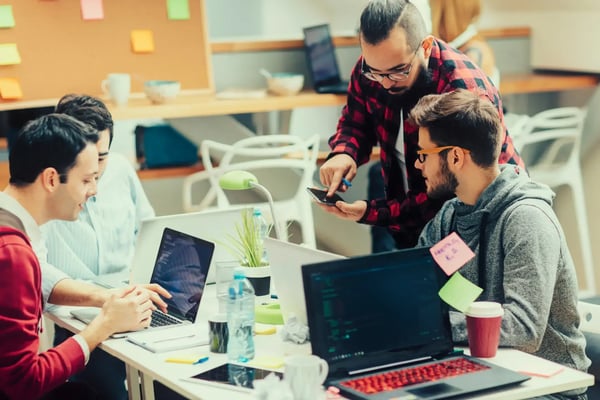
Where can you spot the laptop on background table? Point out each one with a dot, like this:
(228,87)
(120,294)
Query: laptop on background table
(322,62)
(181,267)
(379,318)
(286,260)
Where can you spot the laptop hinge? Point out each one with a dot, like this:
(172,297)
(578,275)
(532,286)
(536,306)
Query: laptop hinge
(394,364)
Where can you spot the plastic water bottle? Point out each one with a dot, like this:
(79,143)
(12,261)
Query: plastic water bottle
(240,318)
(263,231)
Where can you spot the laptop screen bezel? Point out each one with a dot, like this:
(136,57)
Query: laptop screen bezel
(210,247)
(316,320)
(335,79)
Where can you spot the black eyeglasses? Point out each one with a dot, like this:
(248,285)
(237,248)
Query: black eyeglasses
(397,76)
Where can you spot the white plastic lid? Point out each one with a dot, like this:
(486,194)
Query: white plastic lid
(485,309)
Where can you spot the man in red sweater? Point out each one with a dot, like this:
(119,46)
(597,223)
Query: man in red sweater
(53,171)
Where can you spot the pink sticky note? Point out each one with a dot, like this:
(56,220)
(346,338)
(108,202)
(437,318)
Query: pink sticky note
(92,9)
(451,253)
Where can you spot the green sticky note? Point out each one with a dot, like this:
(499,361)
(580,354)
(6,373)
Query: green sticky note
(9,54)
(7,20)
(178,9)
(459,292)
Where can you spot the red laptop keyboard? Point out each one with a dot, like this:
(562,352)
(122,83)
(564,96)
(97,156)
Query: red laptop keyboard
(392,380)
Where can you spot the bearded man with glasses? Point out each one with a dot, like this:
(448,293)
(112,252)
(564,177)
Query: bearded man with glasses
(400,63)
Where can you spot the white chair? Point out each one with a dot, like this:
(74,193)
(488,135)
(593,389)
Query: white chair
(285,164)
(549,143)
(589,314)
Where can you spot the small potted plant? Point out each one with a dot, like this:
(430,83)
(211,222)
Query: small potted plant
(248,247)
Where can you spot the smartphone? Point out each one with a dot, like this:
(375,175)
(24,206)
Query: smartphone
(321,196)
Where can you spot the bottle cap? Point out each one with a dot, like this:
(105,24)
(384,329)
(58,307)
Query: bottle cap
(239,273)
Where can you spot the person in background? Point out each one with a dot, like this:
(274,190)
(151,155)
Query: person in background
(521,256)
(400,63)
(53,166)
(454,21)
(102,239)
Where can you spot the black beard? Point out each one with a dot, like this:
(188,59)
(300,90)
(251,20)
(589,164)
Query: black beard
(447,188)
(420,88)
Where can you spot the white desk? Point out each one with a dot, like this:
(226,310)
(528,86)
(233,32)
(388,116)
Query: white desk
(152,366)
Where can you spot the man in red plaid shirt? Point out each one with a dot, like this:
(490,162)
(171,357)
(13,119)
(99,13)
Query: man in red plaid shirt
(400,63)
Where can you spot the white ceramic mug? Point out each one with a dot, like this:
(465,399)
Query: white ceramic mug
(305,374)
(117,87)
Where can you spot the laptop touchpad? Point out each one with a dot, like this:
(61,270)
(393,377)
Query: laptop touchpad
(434,390)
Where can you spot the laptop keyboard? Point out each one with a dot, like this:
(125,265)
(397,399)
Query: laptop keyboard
(159,318)
(392,380)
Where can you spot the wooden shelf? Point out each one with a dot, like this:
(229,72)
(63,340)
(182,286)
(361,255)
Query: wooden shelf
(172,172)
(546,82)
(234,46)
(194,104)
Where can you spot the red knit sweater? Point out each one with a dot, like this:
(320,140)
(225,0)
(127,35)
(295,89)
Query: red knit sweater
(25,374)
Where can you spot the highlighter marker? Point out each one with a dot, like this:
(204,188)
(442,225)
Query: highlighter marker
(181,360)
(201,360)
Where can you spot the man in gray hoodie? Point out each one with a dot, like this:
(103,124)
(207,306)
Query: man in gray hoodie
(522,260)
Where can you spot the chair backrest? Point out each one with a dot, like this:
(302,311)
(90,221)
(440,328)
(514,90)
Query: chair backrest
(551,137)
(285,164)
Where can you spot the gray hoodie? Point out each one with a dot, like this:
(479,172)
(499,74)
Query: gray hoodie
(522,261)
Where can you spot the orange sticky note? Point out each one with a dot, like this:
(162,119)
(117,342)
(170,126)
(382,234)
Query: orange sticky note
(451,253)
(92,9)
(9,54)
(142,41)
(10,89)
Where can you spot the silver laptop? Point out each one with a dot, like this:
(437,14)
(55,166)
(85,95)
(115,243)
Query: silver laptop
(181,267)
(286,260)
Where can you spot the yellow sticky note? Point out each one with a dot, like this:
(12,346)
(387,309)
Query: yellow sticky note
(459,292)
(7,20)
(178,9)
(10,89)
(142,41)
(267,362)
(9,54)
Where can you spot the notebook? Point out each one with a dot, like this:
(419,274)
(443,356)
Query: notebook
(381,314)
(321,60)
(286,260)
(181,267)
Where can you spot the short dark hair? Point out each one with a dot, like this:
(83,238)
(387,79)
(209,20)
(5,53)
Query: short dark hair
(50,141)
(462,118)
(379,17)
(87,109)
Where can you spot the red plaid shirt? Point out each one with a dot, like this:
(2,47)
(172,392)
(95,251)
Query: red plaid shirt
(372,116)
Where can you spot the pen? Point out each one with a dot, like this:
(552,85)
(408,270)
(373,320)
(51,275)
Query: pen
(173,338)
(346,182)
(201,360)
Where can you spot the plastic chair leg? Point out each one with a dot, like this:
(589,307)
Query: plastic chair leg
(576,186)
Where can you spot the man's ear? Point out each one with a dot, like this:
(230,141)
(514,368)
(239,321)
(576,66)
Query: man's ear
(456,157)
(427,45)
(50,179)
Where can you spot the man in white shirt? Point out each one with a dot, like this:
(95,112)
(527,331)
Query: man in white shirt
(53,170)
(102,240)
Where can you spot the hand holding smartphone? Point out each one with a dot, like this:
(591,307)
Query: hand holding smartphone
(321,196)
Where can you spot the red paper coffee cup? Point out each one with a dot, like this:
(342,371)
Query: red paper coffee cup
(483,327)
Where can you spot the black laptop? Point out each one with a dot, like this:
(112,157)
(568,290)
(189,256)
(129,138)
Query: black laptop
(321,60)
(379,323)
